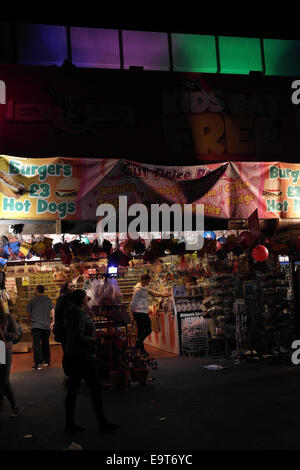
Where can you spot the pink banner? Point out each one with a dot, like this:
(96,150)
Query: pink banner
(73,189)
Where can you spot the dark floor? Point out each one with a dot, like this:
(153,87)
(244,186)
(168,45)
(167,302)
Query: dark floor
(247,406)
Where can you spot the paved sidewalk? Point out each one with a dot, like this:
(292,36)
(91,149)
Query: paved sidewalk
(242,406)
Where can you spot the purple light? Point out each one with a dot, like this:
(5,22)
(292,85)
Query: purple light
(146,49)
(97,48)
(41,44)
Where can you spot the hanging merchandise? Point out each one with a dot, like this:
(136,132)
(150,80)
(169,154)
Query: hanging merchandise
(50,254)
(65,254)
(39,248)
(3,262)
(247,239)
(231,242)
(139,247)
(95,249)
(12,250)
(75,246)
(218,246)
(129,246)
(209,235)
(3,241)
(111,293)
(106,247)
(2,280)
(25,249)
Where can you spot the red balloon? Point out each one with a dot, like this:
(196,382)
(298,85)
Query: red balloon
(260,253)
(218,246)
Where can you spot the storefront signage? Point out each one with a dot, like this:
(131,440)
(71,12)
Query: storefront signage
(73,189)
(162,118)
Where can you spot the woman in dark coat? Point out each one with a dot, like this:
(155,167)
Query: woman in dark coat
(79,363)
(8,333)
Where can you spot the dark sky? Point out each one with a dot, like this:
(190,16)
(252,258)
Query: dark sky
(245,19)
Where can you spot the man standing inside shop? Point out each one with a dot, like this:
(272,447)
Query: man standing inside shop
(139,309)
(41,315)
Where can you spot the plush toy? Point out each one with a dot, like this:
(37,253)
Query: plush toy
(3,241)
(50,254)
(129,246)
(12,250)
(75,247)
(139,247)
(65,254)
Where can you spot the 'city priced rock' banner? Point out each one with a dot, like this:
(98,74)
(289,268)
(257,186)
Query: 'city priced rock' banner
(72,188)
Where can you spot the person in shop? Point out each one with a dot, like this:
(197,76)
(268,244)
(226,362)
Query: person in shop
(8,333)
(79,362)
(140,310)
(61,306)
(40,310)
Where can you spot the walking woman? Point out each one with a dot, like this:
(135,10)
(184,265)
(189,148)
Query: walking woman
(79,362)
(8,332)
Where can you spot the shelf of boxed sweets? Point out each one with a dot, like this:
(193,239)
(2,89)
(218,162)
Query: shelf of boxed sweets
(126,286)
(21,290)
(128,278)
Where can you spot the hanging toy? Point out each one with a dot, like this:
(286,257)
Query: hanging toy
(139,247)
(50,254)
(247,239)
(129,246)
(209,235)
(12,250)
(75,246)
(65,254)
(231,242)
(106,247)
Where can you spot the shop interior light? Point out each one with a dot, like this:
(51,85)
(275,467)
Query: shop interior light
(112,270)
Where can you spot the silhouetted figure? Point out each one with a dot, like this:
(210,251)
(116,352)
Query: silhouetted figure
(62,304)
(79,363)
(8,332)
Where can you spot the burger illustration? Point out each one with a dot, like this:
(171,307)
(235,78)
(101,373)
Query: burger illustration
(9,186)
(272,188)
(67,189)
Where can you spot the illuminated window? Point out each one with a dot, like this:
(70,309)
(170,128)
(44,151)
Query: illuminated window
(239,55)
(41,44)
(282,57)
(194,53)
(98,48)
(146,49)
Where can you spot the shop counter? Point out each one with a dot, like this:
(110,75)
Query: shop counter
(165,335)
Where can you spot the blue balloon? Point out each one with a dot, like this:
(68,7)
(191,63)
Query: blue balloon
(222,239)
(210,235)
